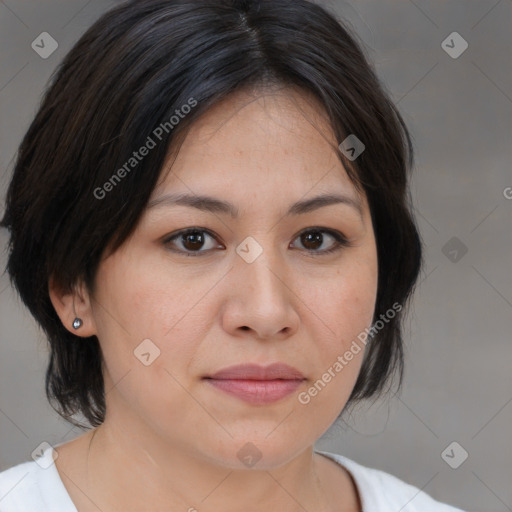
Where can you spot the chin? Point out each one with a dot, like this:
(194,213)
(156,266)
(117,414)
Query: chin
(255,452)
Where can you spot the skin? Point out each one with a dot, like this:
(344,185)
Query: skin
(169,438)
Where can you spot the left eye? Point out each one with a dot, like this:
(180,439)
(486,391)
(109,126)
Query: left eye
(312,238)
(193,241)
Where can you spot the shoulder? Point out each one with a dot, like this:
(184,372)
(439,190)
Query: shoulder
(381,491)
(34,485)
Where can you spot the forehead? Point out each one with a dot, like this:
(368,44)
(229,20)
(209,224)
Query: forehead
(260,141)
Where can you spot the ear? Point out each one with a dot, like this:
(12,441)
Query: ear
(72,304)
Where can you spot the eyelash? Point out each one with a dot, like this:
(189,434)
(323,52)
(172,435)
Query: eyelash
(340,241)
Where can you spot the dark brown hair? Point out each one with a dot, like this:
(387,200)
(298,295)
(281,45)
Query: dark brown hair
(138,65)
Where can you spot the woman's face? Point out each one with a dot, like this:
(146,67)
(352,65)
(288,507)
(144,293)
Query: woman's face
(258,287)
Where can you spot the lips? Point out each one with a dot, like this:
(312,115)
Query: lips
(257,385)
(256,372)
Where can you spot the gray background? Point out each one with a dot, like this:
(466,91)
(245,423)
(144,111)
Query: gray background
(458,384)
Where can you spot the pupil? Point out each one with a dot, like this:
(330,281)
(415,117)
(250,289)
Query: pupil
(312,238)
(193,240)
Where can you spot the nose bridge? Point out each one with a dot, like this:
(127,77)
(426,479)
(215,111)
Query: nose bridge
(262,292)
(261,267)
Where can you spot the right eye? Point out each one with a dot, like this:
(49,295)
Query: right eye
(191,240)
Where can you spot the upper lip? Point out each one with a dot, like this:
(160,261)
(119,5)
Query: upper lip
(257,372)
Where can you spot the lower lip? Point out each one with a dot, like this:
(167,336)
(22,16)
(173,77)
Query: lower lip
(257,391)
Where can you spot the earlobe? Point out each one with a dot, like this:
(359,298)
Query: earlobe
(73,308)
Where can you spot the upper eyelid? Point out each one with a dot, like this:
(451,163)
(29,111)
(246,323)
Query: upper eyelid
(176,234)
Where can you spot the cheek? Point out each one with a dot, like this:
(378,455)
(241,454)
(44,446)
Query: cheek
(345,303)
(343,312)
(141,308)
(149,324)
(139,297)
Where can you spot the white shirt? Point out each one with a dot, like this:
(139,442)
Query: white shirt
(36,486)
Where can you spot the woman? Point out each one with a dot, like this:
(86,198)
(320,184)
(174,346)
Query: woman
(209,219)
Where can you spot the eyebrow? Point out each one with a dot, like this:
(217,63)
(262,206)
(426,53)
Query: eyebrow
(214,205)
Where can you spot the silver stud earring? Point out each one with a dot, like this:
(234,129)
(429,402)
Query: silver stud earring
(77,323)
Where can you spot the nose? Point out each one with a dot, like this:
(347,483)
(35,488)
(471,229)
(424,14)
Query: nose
(261,298)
